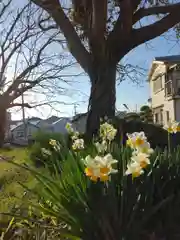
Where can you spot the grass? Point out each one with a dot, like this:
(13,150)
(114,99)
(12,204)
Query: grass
(11,192)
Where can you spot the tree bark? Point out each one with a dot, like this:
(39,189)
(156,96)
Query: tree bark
(2,125)
(102,98)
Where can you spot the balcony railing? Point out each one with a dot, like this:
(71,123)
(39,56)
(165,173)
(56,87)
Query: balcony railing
(168,88)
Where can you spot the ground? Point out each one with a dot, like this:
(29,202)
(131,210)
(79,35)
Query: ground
(11,192)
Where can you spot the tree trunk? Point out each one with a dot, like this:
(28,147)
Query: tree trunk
(2,125)
(102,98)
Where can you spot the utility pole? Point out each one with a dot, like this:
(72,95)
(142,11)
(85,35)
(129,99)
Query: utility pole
(23,113)
(75,109)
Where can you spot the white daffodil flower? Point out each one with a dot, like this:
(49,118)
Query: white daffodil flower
(101,147)
(142,159)
(99,167)
(172,127)
(78,144)
(144,148)
(136,139)
(107,131)
(134,169)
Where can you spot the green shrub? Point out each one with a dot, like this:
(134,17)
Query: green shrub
(157,136)
(42,142)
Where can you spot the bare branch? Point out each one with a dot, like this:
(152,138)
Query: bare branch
(46,20)
(5,6)
(74,43)
(147,33)
(144,12)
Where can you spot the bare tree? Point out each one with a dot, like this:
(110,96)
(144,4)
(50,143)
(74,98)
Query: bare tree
(28,57)
(100,33)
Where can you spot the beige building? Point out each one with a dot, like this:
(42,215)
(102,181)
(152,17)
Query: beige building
(164,79)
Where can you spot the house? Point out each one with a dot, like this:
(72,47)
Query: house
(79,121)
(23,132)
(164,80)
(60,125)
(47,124)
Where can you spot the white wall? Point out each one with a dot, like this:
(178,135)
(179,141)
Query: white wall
(177,109)
(158,97)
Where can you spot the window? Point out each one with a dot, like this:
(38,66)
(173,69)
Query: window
(20,134)
(161,117)
(157,85)
(156,118)
(178,86)
(178,67)
(168,88)
(168,82)
(167,116)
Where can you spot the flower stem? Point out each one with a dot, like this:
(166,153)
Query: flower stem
(169,143)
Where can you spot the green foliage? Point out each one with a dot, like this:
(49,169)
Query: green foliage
(121,209)
(12,194)
(42,142)
(156,135)
(146,114)
(132,116)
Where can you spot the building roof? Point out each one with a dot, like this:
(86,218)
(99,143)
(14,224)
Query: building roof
(52,119)
(171,59)
(120,114)
(61,119)
(168,59)
(13,127)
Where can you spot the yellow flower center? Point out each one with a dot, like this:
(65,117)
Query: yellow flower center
(104,170)
(139,141)
(170,130)
(143,164)
(104,178)
(178,128)
(136,174)
(88,172)
(94,178)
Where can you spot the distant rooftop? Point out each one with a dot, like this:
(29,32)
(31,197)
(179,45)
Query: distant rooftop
(52,119)
(62,119)
(171,58)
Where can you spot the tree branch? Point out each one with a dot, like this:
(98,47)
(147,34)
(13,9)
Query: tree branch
(99,19)
(50,27)
(122,43)
(74,43)
(144,12)
(27,105)
(5,6)
(154,30)
(19,79)
(123,24)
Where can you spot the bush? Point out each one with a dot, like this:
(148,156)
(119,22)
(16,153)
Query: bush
(42,142)
(157,136)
